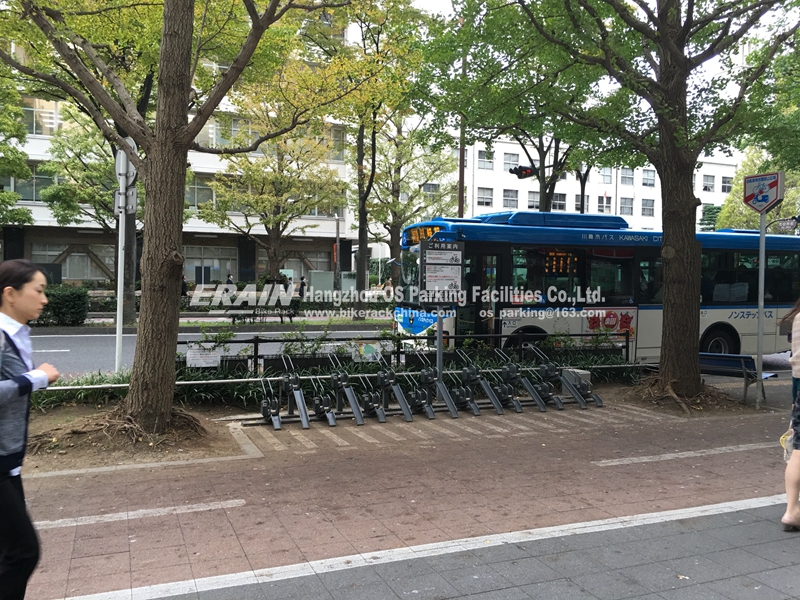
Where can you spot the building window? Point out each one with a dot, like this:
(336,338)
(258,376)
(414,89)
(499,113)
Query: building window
(604,204)
(510,199)
(578,203)
(727,185)
(31,189)
(336,153)
(41,116)
(457,154)
(708,183)
(626,176)
(559,202)
(510,161)
(485,196)
(429,192)
(78,265)
(648,207)
(198,191)
(485,160)
(605,174)
(533,200)
(649,178)
(626,206)
(204,264)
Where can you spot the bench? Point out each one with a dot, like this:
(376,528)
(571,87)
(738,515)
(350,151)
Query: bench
(733,365)
(261,314)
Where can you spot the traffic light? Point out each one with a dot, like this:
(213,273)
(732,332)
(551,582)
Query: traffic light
(522,172)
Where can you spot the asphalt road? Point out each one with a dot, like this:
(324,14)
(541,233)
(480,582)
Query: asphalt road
(88,353)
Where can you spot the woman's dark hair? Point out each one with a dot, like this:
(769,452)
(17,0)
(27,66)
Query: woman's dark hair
(792,313)
(16,273)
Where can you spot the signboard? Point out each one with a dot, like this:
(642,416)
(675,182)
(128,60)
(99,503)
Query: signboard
(197,356)
(440,272)
(764,192)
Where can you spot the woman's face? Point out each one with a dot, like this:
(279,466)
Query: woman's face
(27,303)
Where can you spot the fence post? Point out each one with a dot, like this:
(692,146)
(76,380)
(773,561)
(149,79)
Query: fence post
(627,345)
(255,354)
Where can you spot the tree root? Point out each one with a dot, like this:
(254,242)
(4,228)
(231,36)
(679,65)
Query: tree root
(657,388)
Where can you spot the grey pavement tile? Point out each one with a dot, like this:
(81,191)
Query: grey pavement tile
(297,587)
(745,588)
(696,542)
(526,570)
(721,520)
(506,594)
(784,579)
(612,585)
(369,591)
(574,563)
(243,592)
(350,578)
(694,592)
(428,586)
(782,552)
(746,534)
(403,569)
(700,569)
(476,579)
(455,560)
(617,557)
(741,561)
(493,554)
(656,577)
(561,589)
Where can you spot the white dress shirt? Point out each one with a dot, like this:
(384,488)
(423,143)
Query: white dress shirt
(20,335)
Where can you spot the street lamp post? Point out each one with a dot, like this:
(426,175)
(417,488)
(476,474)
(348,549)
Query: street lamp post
(337,266)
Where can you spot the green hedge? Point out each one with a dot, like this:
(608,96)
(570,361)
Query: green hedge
(67,305)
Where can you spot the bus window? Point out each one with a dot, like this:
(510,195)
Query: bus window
(409,272)
(782,283)
(611,269)
(650,281)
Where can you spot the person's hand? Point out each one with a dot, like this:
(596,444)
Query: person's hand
(51,372)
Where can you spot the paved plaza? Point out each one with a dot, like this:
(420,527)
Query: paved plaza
(606,503)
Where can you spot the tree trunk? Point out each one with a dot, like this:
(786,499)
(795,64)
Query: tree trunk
(129,283)
(149,400)
(395,248)
(362,257)
(680,253)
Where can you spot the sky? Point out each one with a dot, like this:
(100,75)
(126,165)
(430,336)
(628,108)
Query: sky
(442,7)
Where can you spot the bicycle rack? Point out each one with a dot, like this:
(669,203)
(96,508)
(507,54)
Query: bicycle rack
(344,391)
(471,376)
(372,401)
(271,406)
(435,383)
(516,378)
(507,382)
(464,397)
(578,388)
(387,382)
(419,397)
(294,393)
(323,404)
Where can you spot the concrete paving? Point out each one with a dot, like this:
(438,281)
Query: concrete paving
(613,502)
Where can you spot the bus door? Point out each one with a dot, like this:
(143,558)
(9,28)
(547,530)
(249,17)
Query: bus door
(648,296)
(478,316)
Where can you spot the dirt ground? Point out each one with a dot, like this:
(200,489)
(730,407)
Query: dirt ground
(78,436)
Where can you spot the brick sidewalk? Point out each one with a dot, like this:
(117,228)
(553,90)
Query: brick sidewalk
(304,496)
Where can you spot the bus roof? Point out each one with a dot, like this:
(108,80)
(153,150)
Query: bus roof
(527,227)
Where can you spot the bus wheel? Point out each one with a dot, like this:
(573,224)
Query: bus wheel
(719,341)
(528,335)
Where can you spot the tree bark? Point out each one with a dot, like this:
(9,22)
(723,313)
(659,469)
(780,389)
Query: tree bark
(149,400)
(680,253)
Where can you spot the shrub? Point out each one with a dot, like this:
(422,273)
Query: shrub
(66,305)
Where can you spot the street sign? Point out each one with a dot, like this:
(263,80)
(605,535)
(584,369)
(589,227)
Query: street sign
(764,192)
(441,270)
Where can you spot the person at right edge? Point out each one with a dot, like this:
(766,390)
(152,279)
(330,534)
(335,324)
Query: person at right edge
(22,299)
(791,519)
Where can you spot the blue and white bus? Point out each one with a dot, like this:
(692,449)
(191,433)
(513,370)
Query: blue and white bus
(545,273)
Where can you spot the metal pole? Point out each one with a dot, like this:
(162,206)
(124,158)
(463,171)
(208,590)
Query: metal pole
(338,262)
(439,347)
(120,286)
(762,264)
